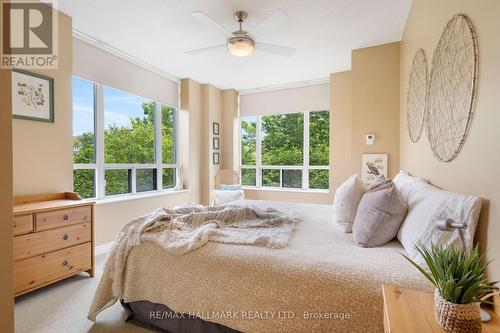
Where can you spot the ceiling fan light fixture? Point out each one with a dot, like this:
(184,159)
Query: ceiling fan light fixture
(241,46)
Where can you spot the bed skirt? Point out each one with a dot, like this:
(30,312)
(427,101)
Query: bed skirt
(159,318)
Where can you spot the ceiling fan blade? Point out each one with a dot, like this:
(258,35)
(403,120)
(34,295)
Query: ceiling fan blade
(206,49)
(276,19)
(275,49)
(204,18)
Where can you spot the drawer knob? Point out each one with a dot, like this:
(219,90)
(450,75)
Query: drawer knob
(65,237)
(65,263)
(65,217)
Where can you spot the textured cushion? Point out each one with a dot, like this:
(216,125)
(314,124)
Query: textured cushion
(224,197)
(346,201)
(426,205)
(380,182)
(235,187)
(380,214)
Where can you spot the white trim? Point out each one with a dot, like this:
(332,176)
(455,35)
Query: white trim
(159,144)
(100,187)
(285,86)
(103,249)
(258,152)
(285,189)
(305,152)
(125,56)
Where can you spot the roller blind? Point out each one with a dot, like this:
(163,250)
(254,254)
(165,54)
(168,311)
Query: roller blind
(290,100)
(95,64)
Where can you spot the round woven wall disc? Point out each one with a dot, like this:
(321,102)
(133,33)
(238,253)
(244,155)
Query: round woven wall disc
(416,95)
(452,88)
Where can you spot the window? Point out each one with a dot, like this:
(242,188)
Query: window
(122,143)
(286,150)
(84,138)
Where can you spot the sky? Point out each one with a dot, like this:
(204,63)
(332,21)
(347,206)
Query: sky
(119,106)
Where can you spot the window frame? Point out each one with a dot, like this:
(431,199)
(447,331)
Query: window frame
(305,167)
(100,167)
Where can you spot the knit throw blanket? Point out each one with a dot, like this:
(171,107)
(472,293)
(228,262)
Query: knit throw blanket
(181,230)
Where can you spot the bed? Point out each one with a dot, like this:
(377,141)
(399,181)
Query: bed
(321,282)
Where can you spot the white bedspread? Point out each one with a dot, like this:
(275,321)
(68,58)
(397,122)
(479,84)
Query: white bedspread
(320,282)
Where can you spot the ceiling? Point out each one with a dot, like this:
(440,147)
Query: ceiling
(158,32)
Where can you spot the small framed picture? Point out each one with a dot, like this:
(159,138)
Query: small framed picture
(215,143)
(215,128)
(372,166)
(216,158)
(32,96)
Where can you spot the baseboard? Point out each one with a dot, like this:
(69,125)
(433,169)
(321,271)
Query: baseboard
(103,249)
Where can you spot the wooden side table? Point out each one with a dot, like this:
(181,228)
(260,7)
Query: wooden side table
(408,311)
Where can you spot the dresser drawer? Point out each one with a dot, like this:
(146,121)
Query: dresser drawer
(23,224)
(62,217)
(33,244)
(47,268)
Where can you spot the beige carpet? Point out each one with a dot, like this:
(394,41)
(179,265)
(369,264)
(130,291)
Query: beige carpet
(62,307)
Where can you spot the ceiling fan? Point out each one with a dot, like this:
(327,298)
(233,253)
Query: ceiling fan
(241,43)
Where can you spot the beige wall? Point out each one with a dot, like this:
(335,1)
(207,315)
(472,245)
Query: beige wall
(229,147)
(212,112)
(475,170)
(6,276)
(191,103)
(375,104)
(340,140)
(43,152)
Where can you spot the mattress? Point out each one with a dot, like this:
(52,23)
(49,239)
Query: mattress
(321,282)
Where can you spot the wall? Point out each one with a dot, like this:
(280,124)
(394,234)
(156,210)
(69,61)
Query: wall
(341,106)
(43,152)
(229,147)
(375,104)
(191,103)
(206,104)
(212,112)
(6,277)
(475,170)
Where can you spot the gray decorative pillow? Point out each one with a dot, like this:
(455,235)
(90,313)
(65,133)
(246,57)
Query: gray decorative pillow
(379,217)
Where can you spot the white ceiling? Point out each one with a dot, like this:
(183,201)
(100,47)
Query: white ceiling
(158,32)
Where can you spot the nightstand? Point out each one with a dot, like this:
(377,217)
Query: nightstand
(408,311)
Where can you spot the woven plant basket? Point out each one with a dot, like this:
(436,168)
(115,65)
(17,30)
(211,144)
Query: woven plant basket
(457,318)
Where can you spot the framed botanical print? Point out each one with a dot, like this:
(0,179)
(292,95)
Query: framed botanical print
(372,166)
(216,143)
(32,96)
(215,128)
(216,158)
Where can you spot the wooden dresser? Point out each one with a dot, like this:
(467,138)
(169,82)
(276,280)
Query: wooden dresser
(53,239)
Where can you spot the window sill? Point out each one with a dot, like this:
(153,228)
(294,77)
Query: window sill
(277,189)
(129,197)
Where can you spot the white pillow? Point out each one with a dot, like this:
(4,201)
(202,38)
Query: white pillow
(224,197)
(427,204)
(346,201)
(405,184)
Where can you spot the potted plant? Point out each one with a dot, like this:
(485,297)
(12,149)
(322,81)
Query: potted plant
(461,286)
